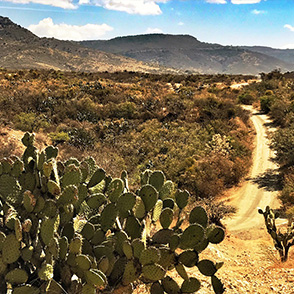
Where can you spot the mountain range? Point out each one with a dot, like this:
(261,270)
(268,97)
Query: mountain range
(20,48)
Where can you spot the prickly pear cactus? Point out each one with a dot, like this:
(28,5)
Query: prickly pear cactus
(69,227)
(282,240)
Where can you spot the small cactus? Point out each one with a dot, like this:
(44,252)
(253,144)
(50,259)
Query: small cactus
(282,241)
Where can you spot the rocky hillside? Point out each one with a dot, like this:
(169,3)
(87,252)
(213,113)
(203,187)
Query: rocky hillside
(19,48)
(187,53)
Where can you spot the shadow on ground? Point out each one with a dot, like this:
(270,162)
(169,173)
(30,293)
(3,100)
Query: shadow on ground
(271,180)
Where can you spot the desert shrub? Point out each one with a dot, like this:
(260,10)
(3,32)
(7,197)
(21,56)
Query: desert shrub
(59,137)
(81,138)
(29,122)
(282,143)
(127,110)
(246,98)
(279,111)
(287,193)
(266,103)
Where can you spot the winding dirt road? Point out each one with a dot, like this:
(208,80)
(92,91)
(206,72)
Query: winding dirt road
(260,188)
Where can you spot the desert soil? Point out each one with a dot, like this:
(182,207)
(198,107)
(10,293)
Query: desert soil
(251,263)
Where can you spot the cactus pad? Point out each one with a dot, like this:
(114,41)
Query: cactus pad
(138,247)
(170,286)
(10,189)
(182,198)
(47,229)
(157,210)
(68,196)
(157,179)
(139,208)
(131,273)
(217,285)
(96,200)
(198,215)
(3,266)
(29,201)
(96,177)
(126,202)
(190,286)
(149,196)
(207,267)
(166,217)
(26,289)
(168,203)
(149,256)
(10,249)
(83,262)
(192,236)
(53,188)
(166,190)
(167,258)
(88,231)
(75,246)
(133,227)
(51,152)
(95,277)
(188,258)
(2,239)
(162,236)
(156,288)
(215,234)
(127,249)
(108,216)
(181,271)
(27,253)
(50,208)
(72,176)
(115,189)
(153,272)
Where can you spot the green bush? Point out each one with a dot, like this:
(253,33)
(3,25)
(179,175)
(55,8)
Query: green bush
(266,103)
(59,137)
(29,122)
(246,98)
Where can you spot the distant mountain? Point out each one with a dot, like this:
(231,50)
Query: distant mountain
(185,52)
(287,55)
(20,48)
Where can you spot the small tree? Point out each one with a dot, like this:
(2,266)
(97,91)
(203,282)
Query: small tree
(282,241)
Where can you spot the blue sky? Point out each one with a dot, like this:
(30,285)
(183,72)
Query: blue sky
(227,22)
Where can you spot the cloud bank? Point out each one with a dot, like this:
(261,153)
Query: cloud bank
(65,4)
(47,28)
(142,7)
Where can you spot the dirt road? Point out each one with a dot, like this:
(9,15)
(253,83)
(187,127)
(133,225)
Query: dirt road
(260,188)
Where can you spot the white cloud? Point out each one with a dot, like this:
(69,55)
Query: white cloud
(245,1)
(66,4)
(288,46)
(143,7)
(217,1)
(257,12)
(287,26)
(47,28)
(154,31)
(180,23)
